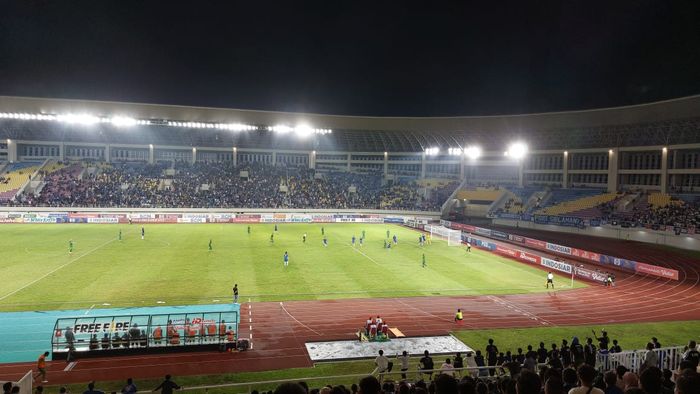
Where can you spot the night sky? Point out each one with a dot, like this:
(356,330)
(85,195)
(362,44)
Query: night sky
(353,57)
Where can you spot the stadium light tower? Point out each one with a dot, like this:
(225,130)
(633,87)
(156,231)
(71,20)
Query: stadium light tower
(517,150)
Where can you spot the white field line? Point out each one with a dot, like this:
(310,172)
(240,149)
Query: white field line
(58,268)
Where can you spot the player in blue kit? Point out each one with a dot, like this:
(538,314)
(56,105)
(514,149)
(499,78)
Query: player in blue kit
(353,241)
(286,259)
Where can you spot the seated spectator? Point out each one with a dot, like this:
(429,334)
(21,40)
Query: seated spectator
(586,375)
(528,383)
(611,383)
(369,385)
(554,386)
(445,384)
(290,388)
(650,380)
(630,380)
(688,383)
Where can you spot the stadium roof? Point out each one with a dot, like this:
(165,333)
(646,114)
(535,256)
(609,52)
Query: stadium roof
(666,122)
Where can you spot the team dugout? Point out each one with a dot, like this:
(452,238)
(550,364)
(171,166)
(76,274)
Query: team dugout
(99,335)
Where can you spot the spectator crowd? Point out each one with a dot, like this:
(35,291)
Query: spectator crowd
(223,185)
(565,369)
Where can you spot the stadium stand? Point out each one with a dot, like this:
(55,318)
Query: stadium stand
(659,200)
(586,207)
(14,177)
(560,201)
(184,185)
(480,194)
(518,199)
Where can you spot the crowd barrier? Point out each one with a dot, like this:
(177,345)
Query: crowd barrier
(412,375)
(25,384)
(566,251)
(669,358)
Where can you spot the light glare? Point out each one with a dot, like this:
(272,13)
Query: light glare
(517,150)
(473,152)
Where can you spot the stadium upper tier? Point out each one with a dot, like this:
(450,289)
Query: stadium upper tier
(662,123)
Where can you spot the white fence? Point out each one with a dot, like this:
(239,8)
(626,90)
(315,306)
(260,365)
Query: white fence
(25,384)
(669,357)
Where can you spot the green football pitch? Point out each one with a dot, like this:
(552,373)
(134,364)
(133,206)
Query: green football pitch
(173,264)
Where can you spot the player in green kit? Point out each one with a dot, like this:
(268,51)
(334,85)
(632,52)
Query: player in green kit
(248,230)
(363,234)
(272,238)
(70,246)
(387,234)
(323,231)
(385,244)
(424,265)
(210,247)
(120,234)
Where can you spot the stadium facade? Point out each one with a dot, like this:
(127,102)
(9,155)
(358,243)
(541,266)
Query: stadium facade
(652,146)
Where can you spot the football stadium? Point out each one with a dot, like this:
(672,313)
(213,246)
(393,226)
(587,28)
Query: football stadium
(247,251)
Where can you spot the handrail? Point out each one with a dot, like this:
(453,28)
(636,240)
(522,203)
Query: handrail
(337,377)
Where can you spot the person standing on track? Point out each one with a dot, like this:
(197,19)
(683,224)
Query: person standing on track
(459,316)
(41,367)
(550,279)
(235,293)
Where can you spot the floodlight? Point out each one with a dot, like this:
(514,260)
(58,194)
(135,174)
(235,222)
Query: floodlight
(124,121)
(78,118)
(517,150)
(432,151)
(303,131)
(282,129)
(473,152)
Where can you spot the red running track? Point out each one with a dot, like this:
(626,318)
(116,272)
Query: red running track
(279,331)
